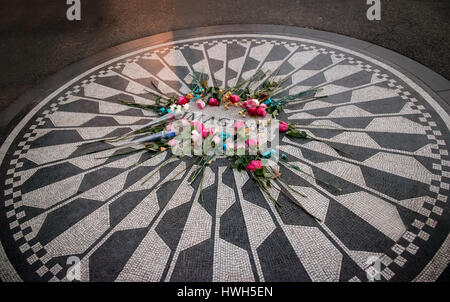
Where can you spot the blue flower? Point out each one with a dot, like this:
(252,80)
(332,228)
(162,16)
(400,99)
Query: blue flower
(268,154)
(283,156)
(162,110)
(224,147)
(268,102)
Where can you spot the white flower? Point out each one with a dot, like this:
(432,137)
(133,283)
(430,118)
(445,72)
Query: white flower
(186,107)
(252,103)
(178,109)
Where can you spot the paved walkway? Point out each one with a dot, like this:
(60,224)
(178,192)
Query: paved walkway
(59,201)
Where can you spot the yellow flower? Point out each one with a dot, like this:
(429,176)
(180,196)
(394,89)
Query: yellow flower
(227,96)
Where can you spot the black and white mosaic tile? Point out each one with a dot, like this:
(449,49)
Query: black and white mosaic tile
(58,201)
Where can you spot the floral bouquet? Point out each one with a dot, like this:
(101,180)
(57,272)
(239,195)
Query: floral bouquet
(245,142)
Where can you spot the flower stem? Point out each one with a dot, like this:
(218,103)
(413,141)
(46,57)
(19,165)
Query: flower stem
(312,176)
(122,153)
(326,143)
(261,185)
(290,187)
(156,171)
(188,167)
(296,203)
(201,185)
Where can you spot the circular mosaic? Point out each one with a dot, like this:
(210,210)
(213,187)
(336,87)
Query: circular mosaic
(60,200)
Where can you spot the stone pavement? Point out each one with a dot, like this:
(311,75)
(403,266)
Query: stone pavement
(59,201)
(37,40)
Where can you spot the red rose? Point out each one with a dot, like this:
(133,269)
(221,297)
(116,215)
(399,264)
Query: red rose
(261,111)
(283,127)
(234,98)
(252,111)
(213,102)
(182,100)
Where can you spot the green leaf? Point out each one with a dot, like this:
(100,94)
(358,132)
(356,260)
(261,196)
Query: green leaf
(296,167)
(275,113)
(259,172)
(296,133)
(266,173)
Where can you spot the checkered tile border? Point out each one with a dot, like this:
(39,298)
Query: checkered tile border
(392,261)
(33,251)
(396,258)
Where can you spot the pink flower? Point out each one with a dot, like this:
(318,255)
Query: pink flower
(252,103)
(283,127)
(172,143)
(200,127)
(252,142)
(234,98)
(239,125)
(206,132)
(185,122)
(252,111)
(261,111)
(244,105)
(253,165)
(196,137)
(217,140)
(200,104)
(182,100)
(256,164)
(213,102)
(263,106)
(170,127)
